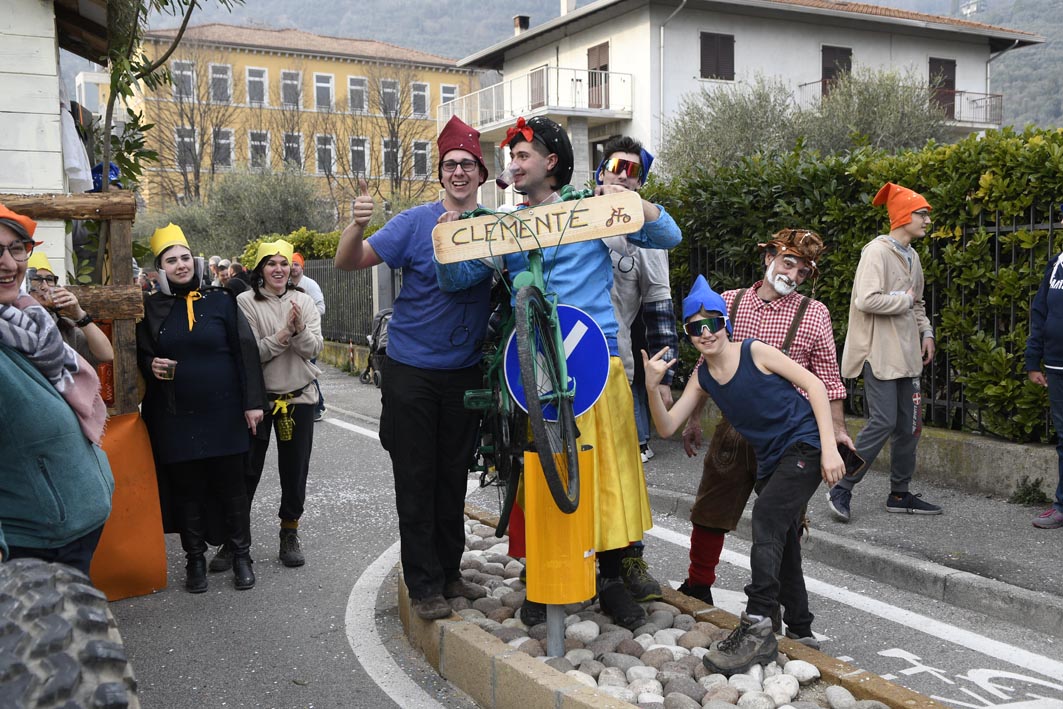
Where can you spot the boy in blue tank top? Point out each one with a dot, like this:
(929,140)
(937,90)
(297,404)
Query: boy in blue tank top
(753,385)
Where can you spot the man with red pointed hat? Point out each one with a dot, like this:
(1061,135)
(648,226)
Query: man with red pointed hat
(434,352)
(889,341)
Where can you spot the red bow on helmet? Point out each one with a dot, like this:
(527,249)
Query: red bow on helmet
(521,128)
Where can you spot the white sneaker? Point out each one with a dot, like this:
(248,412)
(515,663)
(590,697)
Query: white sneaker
(647,454)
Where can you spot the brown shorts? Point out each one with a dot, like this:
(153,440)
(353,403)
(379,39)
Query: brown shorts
(726,480)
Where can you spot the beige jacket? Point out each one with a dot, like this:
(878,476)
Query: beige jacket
(885,329)
(286,368)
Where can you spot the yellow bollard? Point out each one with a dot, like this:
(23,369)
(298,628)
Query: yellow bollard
(560,547)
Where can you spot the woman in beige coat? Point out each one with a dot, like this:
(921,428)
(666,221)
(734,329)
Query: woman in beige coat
(288,328)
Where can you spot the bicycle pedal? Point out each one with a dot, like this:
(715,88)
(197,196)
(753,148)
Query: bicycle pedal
(478,399)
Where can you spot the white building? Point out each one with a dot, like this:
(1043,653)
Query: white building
(31,145)
(623,66)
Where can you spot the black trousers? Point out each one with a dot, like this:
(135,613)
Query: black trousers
(431,437)
(775,558)
(293,459)
(77,553)
(195,484)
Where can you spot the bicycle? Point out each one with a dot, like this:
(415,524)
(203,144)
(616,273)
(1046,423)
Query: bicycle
(548,390)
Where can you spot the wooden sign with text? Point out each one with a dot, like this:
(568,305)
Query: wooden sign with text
(539,227)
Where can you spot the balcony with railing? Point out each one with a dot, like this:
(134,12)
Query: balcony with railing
(963,109)
(599,96)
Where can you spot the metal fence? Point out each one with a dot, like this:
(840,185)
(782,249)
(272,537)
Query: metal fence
(944,402)
(349,304)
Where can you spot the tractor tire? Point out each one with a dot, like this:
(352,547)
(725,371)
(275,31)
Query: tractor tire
(59,646)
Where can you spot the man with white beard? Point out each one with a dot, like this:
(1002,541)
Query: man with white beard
(772,311)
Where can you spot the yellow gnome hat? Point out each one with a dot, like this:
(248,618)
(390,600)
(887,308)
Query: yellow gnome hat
(40,262)
(167,236)
(280,247)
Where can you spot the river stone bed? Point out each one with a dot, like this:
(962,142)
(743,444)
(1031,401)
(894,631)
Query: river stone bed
(657,666)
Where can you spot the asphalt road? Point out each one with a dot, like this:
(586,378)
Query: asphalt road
(328,635)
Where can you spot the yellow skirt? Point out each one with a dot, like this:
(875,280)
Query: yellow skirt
(622,504)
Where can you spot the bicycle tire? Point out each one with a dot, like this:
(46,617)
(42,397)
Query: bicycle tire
(555,442)
(59,646)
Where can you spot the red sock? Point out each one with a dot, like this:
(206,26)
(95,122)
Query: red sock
(705,548)
(516,532)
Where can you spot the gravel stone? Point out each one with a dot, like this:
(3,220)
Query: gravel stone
(744,683)
(645,640)
(506,634)
(612,677)
(585,631)
(513,599)
(684,622)
(657,657)
(487,605)
(646,686)
(673,670)
(459,604)
(757,673)
(662,606)
(668,636)
(805,672)
(622,693)
(675,700)
(840,698)
(662,619)
(501,614)
(606,642)
(686,686)
(693,638)
(593,668)
(578,657)
(711,681)
(630,647)
(724,693)
(619,661)
(756,700)
(788,685)
(582,677)
(641,672)
(531,647)
(560,664)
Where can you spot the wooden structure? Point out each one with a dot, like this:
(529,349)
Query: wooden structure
(122,302)
(539,227)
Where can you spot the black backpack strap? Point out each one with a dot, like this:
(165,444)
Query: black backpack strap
(734,305)
(794,324)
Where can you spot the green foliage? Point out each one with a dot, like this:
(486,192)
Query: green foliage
(311,244)
(1029,492)
(725,124)
(984,274)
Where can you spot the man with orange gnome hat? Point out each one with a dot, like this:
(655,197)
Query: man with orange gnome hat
(889,341)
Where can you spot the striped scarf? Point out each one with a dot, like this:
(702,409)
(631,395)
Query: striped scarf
(28,328)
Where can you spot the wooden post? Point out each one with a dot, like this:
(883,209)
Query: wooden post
(124,336)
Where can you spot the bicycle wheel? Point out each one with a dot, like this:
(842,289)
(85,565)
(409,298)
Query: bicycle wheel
(540,373)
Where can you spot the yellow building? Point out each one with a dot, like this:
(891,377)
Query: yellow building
(339,109)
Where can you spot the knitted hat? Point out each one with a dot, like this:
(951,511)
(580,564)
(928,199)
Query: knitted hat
(900,203)
(19,223)
(458,135)
(280,247)
(549,134)
(167,236)
(803,243)
(703,297)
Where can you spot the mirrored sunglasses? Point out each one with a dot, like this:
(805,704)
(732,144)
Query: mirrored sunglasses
(695,328)
(619,166)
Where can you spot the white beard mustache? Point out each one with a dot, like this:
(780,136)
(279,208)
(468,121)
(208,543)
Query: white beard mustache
(782,285)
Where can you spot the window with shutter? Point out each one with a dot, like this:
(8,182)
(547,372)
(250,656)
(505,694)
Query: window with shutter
(717,56)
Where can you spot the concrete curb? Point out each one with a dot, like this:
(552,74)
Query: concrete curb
(496,675)
(1029,609)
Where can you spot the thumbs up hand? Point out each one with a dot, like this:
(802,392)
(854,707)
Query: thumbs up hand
(363,204)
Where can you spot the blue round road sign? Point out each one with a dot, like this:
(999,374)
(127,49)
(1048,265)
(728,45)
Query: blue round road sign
(586,354)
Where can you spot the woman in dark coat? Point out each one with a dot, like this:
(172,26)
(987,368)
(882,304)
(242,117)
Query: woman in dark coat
(204,399)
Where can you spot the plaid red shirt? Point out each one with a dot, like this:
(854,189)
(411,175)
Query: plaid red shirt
(813,345)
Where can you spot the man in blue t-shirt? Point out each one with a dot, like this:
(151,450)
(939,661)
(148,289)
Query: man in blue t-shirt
(433,358)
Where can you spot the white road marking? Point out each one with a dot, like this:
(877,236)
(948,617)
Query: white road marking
(360,620)
(958,636)
(356,429)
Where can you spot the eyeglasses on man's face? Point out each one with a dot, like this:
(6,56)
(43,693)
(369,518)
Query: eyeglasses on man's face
(38,281)
(19,250)
(619,166)
(923,214)
(695,328)
(466,166)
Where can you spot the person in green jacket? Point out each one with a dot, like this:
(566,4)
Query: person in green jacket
(55,480)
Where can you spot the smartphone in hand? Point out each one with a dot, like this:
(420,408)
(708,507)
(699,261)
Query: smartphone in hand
(853,462)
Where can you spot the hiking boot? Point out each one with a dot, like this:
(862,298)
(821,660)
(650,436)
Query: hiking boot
(838,500)
(461,588)
(532,613)
(243,576)
(910,504)
(749,644)
(616,601)
(431,608)
(1049,519)
(222,560)
(196,574)
(291,554)
(806,640)
(696,590)
(636,575)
